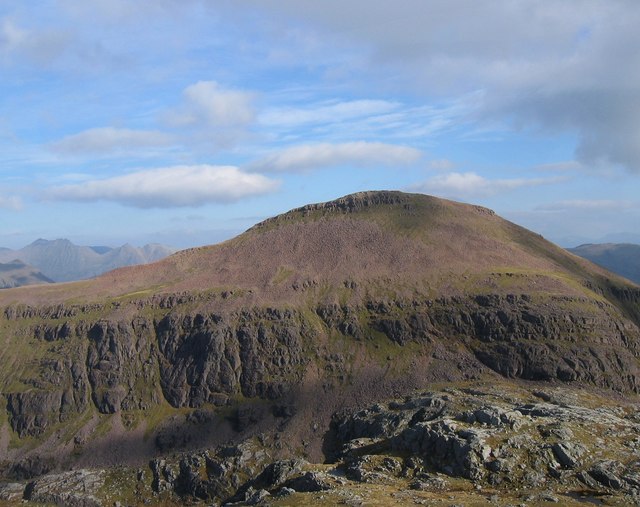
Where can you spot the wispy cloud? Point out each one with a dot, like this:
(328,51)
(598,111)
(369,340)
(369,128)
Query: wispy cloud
(168,187)
(314,156)
(17,43)
(331,111)
(471,185)
(333,120)
(208,104)
(109,140)
(558,67)
(442,164)
(11,37)
(589,205)
(565,166)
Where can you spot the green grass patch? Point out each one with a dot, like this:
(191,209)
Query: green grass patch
(282,274)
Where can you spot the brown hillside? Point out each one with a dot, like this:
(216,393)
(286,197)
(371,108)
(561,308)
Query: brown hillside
(410,240)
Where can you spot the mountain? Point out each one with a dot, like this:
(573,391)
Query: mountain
(62,261)
(17,273)
(621,258)
(402,335)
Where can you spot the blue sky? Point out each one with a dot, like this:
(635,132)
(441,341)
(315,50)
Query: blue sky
(185,122)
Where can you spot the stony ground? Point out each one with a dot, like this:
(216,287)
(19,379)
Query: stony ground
(468,444)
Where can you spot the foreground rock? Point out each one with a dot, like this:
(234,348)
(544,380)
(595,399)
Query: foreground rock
(498,444)
(77,488)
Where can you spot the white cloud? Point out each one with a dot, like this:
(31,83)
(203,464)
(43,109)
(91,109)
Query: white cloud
(569,67)
(168,187)
(41,47)
(107,140)
(472,185)
(333,121)
(10,202)
(207,104)
(314,156)
(11,37)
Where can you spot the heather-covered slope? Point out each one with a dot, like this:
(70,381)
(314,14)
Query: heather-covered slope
(371,237)
(325,307)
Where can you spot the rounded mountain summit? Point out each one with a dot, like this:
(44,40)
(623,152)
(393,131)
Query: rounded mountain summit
(358,245)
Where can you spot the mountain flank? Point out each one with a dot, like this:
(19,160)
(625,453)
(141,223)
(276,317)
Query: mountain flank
(265,348)
(621,258)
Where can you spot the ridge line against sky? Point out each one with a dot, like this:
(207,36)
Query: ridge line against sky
(185,122)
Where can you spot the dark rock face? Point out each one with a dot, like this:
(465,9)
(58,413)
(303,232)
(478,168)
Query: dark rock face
(121,365)
(571,339)
(195,358)
(206,358)
(30,467)
(65,397)
(309,482)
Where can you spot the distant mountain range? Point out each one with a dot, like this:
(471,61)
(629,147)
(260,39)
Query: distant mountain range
(17,273)
(62,261)
(621,258)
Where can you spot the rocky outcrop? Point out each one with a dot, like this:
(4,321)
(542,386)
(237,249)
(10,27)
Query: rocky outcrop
(474,445)
(211,475)
(496,439)
(568,339)
(76,488)
(12,491)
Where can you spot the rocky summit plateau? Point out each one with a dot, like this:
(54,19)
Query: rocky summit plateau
(380,349)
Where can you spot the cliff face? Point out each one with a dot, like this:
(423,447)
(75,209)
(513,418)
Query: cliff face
(191,359)
(325,307)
